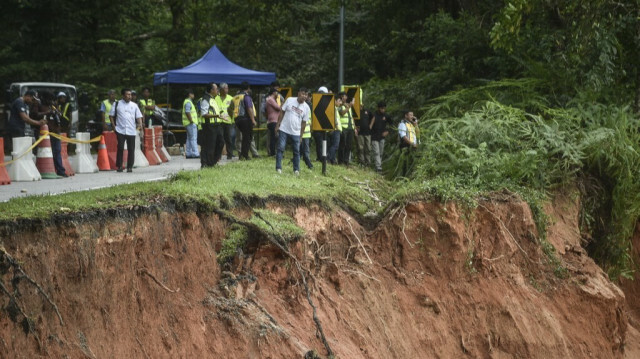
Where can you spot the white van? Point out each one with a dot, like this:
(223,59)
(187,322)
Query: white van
(18,89)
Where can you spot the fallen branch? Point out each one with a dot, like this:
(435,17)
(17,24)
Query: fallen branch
(145,271)
(359,242)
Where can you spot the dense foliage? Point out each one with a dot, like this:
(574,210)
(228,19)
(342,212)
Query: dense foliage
(523,94)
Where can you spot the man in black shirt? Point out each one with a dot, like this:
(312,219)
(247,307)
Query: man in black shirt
(20,115)
(363,131)
(379,133)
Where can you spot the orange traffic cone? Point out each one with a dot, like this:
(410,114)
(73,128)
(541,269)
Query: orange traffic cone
(44,158)
(65,157)
(4,175)
(103,156)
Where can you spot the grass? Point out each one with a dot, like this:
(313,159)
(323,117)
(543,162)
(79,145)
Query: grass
(214,186)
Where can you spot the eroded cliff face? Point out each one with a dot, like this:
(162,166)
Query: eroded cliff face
(429,281)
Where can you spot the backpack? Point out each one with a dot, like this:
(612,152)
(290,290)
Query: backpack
(237,106)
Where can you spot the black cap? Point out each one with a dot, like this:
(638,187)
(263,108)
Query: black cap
(31,93)
(382,104)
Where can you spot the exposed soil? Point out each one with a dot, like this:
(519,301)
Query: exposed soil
(429,281)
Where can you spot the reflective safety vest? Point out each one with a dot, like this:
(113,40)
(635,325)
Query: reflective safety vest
(194,112)
(338,123)
(411,132)
(107,110)
(214,109)
(145,103)
(307,129)
(223,105)
(63,110)
(346,119)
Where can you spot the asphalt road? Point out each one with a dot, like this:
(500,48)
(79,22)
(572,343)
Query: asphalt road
(82,182)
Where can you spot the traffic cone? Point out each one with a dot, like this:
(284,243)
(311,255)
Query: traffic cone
(4,175)
(44,158)
(103,156)
(65,157)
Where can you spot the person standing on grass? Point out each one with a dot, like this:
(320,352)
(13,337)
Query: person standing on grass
(291,124)
(124,115)
(272,109)
(379,132)
(190,123)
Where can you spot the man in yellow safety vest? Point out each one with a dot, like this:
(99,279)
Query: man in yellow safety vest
(105,110)
(190,123)
(147,105)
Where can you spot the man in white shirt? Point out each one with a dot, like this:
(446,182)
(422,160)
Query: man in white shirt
(291,123)
(124,114)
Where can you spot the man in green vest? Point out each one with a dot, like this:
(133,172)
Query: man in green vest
(348,126)
(212,138)
(228,125)
(147,105)
(105,109)
(65,112)
(190,122)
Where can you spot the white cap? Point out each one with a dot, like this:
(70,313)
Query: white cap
(62,94)
(323,89)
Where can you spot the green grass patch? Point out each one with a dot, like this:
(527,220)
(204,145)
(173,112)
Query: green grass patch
(214,186)
(280,226)
(236,238)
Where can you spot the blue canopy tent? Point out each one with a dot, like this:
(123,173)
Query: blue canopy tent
(213,67)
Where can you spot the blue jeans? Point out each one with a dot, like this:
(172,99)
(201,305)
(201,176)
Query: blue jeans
(56,147)
(334,142)
(282,143)
(191,149)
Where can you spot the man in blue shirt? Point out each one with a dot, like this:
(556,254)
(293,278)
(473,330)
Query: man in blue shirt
(19,119)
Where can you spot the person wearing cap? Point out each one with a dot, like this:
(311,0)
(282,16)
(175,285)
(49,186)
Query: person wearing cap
(105,110)
(124,115)
(19,118)
(45,109)
(379,132)
(65,114)
(147,105)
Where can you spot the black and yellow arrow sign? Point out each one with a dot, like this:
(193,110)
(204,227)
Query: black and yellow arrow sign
(285,92)
(354,93)
(323,113)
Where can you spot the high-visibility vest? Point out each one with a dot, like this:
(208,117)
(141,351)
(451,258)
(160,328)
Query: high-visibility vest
(307,129)
(411,132)
(194,112)
(63,110)
(107,110)
(144,103)
(223,105)
(214,109)
(338,123)
(346,119)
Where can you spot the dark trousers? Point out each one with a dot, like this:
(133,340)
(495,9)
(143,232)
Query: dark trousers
(56,147)
(304,151)
(228,130)
(344,149)
(212,143)
(318,136)
(271,126)
(131,146)
(246,128)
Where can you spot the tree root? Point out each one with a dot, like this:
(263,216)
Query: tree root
(304,282)
(145,271)
(359,242)
(17,267)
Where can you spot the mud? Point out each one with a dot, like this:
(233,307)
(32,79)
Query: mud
(428,280)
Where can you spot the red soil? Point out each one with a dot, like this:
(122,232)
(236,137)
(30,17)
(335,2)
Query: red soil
(430,281)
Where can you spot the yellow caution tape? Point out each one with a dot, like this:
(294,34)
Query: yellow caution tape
(43,135)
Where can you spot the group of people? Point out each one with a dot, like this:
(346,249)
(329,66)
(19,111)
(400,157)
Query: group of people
(217,121)
(32,110)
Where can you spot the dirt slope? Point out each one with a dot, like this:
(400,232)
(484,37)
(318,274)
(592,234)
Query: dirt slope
(430,281)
